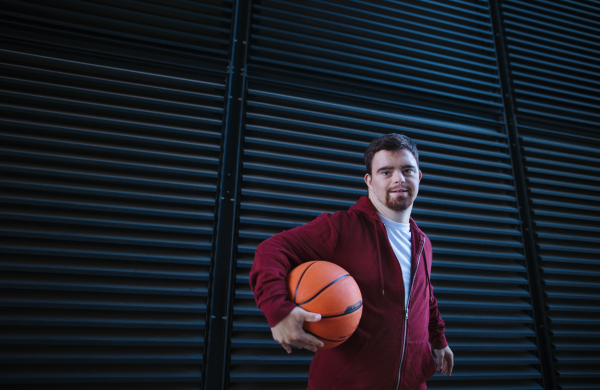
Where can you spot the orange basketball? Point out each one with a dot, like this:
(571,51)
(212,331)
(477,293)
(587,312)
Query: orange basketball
(327,289)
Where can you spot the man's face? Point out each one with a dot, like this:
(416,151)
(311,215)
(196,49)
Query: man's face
(394,179)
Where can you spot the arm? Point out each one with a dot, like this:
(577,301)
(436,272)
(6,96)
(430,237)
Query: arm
(445,356)
(437,338)
(274,259)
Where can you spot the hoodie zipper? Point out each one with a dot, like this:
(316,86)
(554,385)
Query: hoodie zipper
(406,316)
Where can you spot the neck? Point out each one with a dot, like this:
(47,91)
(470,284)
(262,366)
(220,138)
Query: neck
(396,216)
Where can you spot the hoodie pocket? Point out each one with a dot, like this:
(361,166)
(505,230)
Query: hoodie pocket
(374,367)
(329,363)
(420,364)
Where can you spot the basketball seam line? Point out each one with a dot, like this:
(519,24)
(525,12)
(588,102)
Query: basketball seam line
(323,338)
(301,276)
(323,289)
(344,313)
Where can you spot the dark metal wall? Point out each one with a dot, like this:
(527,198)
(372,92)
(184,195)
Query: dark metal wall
(110,139)
(553,50)
(149,147)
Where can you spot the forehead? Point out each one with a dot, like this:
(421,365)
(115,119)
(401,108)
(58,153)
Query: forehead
(395,158)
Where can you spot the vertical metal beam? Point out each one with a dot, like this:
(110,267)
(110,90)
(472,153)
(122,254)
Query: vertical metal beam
(533,270)
(219,311)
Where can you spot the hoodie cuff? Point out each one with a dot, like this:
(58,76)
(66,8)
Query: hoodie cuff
(439,342)
(276,309)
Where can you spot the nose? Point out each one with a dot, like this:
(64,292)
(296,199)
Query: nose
(398,177)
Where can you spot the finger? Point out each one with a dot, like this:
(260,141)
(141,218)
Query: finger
(305,346)
(287,348)
(450,365)
(312,317)
(311,348)
(311,340)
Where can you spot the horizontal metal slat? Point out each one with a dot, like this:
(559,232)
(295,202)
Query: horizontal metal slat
(93,284)
(567,260)
(100,374)
(117,302)
(73,174)
(113,123)
(101,252)
(107,207)
(572,249)
(100,319)
(72,235)
(105,163)
(26,98)
(574,308)
(97,94)
(116,357)
(536,191)
(105,268)
(105,222)
(68,336)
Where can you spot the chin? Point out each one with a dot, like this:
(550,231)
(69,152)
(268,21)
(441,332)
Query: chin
(399,206)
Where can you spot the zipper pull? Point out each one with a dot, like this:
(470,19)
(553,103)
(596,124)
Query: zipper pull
(406,314)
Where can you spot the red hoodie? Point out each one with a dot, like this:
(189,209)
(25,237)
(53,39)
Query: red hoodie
(390,348)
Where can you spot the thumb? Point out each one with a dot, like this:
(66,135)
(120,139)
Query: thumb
(312,317)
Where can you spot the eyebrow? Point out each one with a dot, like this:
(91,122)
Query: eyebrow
(391,168)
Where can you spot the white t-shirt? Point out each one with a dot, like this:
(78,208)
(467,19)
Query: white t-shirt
(399,236)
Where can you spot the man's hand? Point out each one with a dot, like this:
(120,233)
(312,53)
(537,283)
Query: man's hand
(445,360)
(289,331)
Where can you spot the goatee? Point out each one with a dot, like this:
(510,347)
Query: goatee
(399,203)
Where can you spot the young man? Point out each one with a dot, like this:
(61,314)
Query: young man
(380,245)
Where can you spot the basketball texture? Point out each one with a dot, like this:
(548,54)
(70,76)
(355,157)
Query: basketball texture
(325,288)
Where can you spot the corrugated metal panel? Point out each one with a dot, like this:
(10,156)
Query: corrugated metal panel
(553,50)
(110,144)
(328,77)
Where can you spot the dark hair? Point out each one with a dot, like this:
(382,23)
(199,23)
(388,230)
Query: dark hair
(391,142)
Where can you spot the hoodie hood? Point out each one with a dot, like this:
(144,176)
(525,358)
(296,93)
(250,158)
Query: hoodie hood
(365,206)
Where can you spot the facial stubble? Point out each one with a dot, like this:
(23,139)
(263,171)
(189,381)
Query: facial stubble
(399,203)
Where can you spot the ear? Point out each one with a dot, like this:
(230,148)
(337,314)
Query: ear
(420,175)
(368,180)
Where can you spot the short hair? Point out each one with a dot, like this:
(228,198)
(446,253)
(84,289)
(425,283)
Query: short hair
(391,142)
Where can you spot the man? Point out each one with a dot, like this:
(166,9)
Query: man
(380,245)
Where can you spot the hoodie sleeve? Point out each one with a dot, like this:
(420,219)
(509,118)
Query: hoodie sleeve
(277,256)
(437,336)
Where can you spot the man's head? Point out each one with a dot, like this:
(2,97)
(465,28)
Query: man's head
(393,174)
(391,142)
